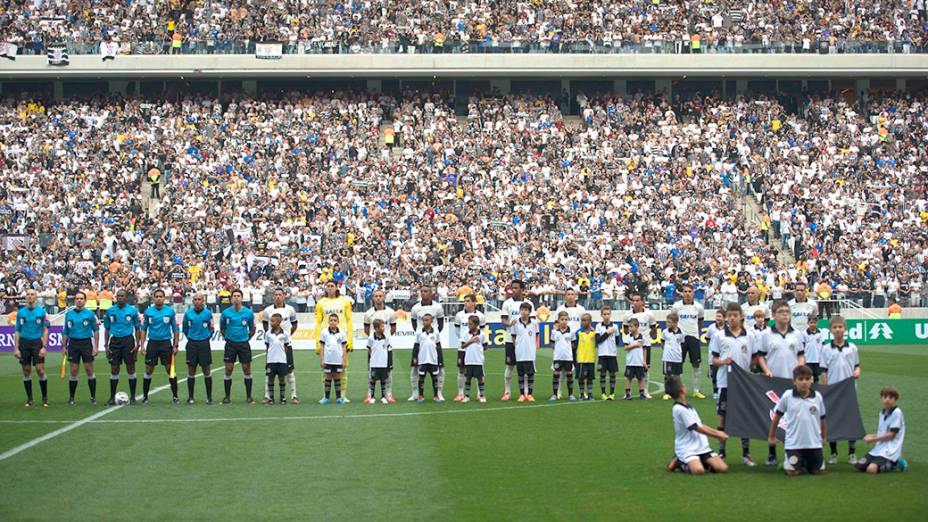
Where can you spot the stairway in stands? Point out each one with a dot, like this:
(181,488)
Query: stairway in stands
(753,215)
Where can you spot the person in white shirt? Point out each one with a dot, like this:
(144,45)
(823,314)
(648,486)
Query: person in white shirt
(333,350)
(381,311)
(691,316)
(691,449)
(607,351)
(800,307)
(647,326)
(509,315)
(425,357)
(779,352)
(574,310)
(635,366)
(524,333)
(426,305)
(475,344)
(886,455)
(803,410)
(278,345)
(379,361)
(562,359)
(672,349)
(288,317)
(812,346)
(840,361)
(462,325)
(712,333)
(733,345)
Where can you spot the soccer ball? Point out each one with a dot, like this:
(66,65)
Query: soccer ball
(122,398)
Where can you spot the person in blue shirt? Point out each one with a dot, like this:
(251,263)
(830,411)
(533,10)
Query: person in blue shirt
(122,329)
(159,327)
(30,341)
(79,336)
(198,329)
(237,325)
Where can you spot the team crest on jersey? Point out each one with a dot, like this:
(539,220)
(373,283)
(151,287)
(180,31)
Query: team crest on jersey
(70,324)
(744,348)
(813,409)
(167,320)
(244,322)
(792,347)
(205,324)
(128,318)
(86,322)
(38,321)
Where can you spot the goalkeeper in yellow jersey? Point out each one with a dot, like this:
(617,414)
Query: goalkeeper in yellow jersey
(334,304)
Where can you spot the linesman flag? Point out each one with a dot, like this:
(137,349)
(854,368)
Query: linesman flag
(752,398)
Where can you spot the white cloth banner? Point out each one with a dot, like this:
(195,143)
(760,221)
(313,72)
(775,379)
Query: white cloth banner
(269,50)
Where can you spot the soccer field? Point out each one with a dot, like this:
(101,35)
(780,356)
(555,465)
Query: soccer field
(494,461)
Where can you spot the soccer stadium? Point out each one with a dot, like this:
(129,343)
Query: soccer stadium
(480,260)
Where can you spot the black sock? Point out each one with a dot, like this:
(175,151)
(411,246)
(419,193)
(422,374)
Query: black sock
(589,387)
(270,389)
(834,447)
(72,386)
(283,391)
(612,384)
(772,451)
(27,384)
(851,447)
(435,385)
(372,387)
(721,447)
(248,386)
(602,382)
(173,382)
(480,388)
(133,385)
(554,382)
(43,385)
(628,391)
(209,387)
(228,385)
(114,383)
(421,385)
(531,383)
(467,388)
(338,388)
(92,386)
(328,389)
(146,385)
(570,384)
(191,381)
(383,388)
(746,447)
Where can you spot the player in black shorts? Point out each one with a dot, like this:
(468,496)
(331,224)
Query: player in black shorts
(122,329)
(198,329)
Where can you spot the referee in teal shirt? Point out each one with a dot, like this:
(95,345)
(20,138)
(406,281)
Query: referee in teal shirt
(30,340)
(237,325)
(160,328)
(79,335)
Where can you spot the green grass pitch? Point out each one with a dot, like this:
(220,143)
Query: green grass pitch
(494,461)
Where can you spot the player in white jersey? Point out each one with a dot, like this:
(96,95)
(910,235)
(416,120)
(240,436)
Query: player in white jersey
(427,359)
(754,304)
(803,409)
(692,452)
(800,307)
(636,367)
(288,317)
(462,324)
(333,351)
(509,314)
(886,455)
(812,345)
(525,337)
(647,326)
(672,349)
(840,361)
(388,315)
(475,344)
(607,352)
(278,345)
(691,319)
(574,312)
(756,331)
(732,346)
(711,334)
(426,305)
(379,362)
(563,357)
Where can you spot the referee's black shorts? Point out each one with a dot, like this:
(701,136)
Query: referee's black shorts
(199,354)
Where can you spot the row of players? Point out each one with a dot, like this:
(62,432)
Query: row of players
(237,326)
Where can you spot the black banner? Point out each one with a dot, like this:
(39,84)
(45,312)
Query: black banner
(752,398)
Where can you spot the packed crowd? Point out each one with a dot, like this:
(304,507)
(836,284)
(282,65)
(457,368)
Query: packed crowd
(201,26)
(641,194)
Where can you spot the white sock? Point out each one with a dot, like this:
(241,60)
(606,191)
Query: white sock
(291,382)
(508,380)
(561,377)
(389,383)
(695,380)
(414,381)
(441,380)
